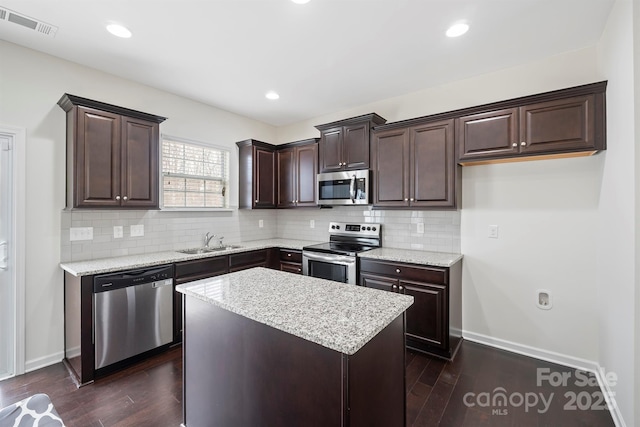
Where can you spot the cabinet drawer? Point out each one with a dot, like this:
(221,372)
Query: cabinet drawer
(247,259)
(288,255)
(405,271)
(291,267)
(201,268)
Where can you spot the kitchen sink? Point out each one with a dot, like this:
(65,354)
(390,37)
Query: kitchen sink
(195,251)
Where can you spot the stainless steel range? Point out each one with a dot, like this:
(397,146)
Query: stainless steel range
(337,259)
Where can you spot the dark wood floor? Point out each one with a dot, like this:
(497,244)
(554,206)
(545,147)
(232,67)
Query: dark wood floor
(438,393)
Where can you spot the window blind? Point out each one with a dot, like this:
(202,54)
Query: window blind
(194,175)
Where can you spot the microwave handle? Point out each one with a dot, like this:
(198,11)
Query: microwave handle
(352,189)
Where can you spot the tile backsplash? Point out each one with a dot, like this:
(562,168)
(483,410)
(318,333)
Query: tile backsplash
(169,230)
(163,230)
(399,227)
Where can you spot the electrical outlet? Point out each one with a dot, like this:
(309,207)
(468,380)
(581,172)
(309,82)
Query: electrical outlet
(493,232)
(420,227)
(260,223)
(136,230)
(80,233)
(118,232)
(312,223)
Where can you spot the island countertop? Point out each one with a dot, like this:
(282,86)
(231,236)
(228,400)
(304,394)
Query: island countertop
(335,315)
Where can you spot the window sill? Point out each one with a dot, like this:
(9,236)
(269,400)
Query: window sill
(198,209)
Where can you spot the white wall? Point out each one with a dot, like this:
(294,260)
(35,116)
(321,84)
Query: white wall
(558,72)
(616,240)
(30,85)
(636,87)
(546,212)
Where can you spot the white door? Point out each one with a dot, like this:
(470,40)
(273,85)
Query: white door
(12,250)
(7,285)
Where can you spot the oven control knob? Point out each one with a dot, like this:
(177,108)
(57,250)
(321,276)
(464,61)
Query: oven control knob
(333,227)
(374,229)
(337,227)
(368,228)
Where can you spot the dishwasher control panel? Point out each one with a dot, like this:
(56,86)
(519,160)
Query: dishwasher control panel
(111,281)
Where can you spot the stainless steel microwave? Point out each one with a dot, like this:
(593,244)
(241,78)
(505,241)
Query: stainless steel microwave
(344,188)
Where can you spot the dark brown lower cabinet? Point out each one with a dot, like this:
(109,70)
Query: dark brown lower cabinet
(239,372)
(291,261)
(434,321)
(188,271)
(245,260)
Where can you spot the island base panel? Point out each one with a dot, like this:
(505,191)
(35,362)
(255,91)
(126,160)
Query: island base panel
(238,372)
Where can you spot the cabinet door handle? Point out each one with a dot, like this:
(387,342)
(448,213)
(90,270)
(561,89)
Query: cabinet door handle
(406,200)
(125,198)
(401,287)
(523,143)
(256,200)
(397,270)
(515,144)
(411,199)
(299,270)
(394,287)
(288,254)
(117,197)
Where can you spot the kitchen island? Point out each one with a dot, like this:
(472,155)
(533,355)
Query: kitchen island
(264,347)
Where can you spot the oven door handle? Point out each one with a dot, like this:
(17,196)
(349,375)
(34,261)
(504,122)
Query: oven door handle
(336,259)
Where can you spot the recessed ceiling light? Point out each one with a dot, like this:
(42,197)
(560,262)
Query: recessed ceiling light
(457,30)
(272,95)
(300,1)
(119,31)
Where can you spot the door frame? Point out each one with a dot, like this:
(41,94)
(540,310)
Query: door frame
(17,252)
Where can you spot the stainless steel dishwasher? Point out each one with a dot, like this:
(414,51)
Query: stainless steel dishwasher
(133,313)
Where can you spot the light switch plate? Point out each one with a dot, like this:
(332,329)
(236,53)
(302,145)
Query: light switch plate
(312,223)
(493,232)
(137,230)
(260,223)
(118,232)
(80,233)
(420,227)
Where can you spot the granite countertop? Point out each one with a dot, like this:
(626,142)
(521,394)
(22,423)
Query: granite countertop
(335,315)
(437,259)
(109,265)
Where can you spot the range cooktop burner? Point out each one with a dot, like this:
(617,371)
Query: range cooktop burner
(339,248)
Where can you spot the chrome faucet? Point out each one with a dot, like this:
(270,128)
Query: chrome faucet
(209,236)
(207,239)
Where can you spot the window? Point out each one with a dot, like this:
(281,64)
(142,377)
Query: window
(194,175)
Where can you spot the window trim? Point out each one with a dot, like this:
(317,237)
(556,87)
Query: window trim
(169,137)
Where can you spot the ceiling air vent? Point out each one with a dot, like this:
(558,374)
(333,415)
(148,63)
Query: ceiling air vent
(27,22)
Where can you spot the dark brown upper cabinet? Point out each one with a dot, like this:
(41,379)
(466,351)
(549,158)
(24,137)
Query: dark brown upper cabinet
(112,155)
(297,169)
(344,145)
(257,175)
(563,123)
(414,166)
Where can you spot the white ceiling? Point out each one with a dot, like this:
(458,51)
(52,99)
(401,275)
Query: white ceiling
(322,57)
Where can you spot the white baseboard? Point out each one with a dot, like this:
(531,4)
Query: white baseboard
(42,362)
(553,357)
